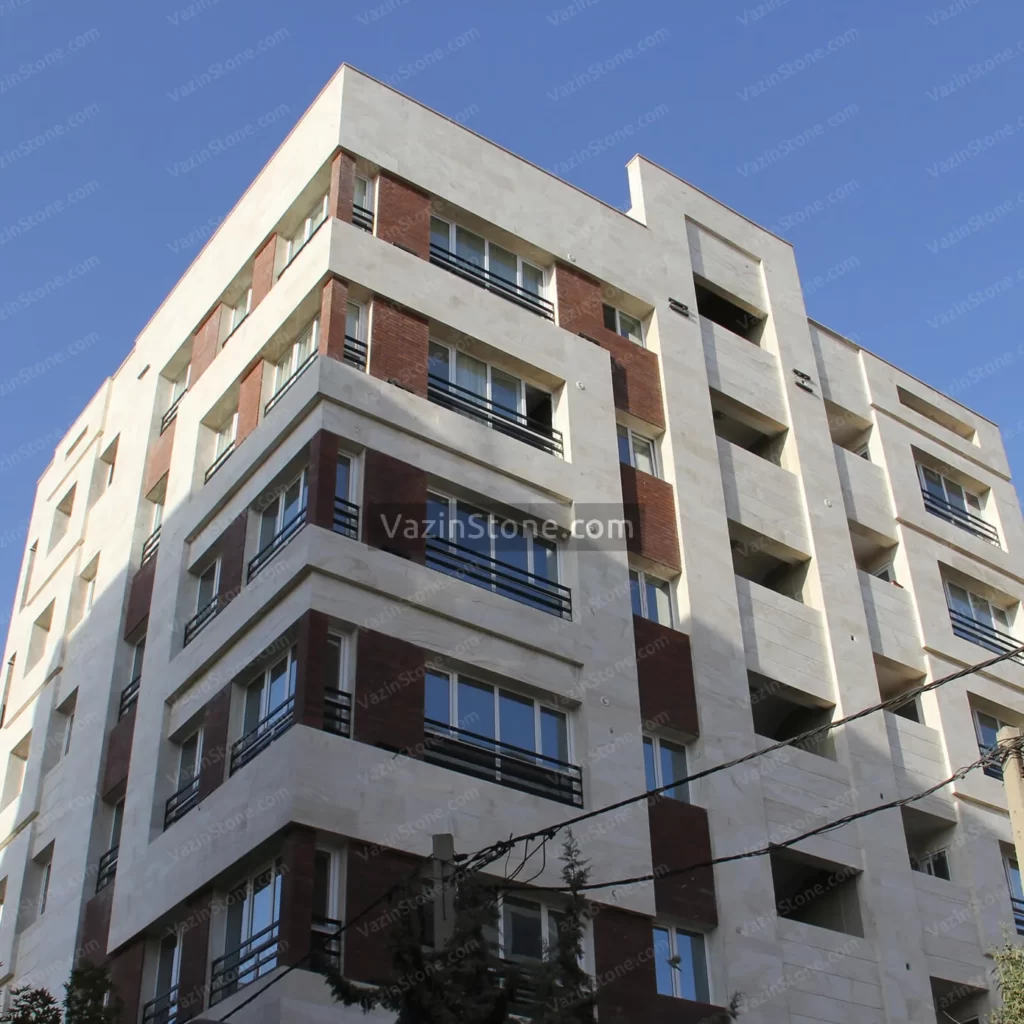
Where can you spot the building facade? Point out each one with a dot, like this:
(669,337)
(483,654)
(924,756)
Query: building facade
(441,497)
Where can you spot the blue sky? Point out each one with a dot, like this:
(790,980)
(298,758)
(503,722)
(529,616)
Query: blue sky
(885,140)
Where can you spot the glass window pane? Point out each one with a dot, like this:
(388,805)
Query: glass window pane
(545,559)
(476,708)
(625,456)
(187,767)
(643,455)
(662,967)
(469,246)
(516,721)
(933,483)
(353,321)
(1013,878)
(115,828)
(237,915)
(973,501)
(521,927)
(629,327)
(263,902)
(510,544)
(165,972)
(342,473)
(472,529)
(659,604)
(471,374)
(502,263)
(533,279)
(955,495)
(693,972)
(673,766)
(332,666)
(1000,617)
(610,320)
(437,698)
(438,361)
(253,707)
(278,685)
(437,517)
(988,730)
(554,734)
(958,599)
(439,233)
(206,587)
(981,610)
(292,501)
(506,390)
(634,592)
(137,655)
(650,777)
(268,525)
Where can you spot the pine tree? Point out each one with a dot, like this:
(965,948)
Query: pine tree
(32,1006)
(89,996)
(1010,967)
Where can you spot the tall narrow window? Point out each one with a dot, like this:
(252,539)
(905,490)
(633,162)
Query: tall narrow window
(665,762)
(207,590)
(651,597)
(680,964)
(362,203)
(268,699)
(168,971)
(240,310)
(296,356)
(45,870)
(312,220)
(623,324)
(251,933)
(637,451)
(189,759)
(62,518)
(284,511)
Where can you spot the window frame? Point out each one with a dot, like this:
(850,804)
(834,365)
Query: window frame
(631,436)
(973,599)
(925,864)
(310,332)
(369,192)
(656,743)
(175,973)
(642,578)
(228,430)
(215,565)
(235,322)
(520,261)
(618,315)
(302,479)
(184,379)
(309,227)
(977,508)
(263,680)
(546,928)
(673,932)
(44,885)
(197,761)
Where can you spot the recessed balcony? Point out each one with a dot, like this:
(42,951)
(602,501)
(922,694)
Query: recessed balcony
(181,802)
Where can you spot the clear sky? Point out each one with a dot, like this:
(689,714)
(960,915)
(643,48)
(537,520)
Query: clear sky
(885,139)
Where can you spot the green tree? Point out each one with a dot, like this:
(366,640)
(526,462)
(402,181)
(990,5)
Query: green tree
(32,1006)
(1010,971)
(89,996)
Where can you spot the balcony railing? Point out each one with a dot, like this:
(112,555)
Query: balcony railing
(325,944)
(219,461)
(499,417)
(253,743)
(151,546)
(508,580)
(515,767)
(338,712)
(107,869)
(493,282)
(960,517)
(129,695)
(362,217)
(355,352)
(202,618)
(278,541)
(346,518)
(169,417)
(984,635)
(253,958)
(181,803)
(163,1009)
(284,388)
(1018,914)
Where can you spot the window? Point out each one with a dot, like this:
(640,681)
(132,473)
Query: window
(680,964)
(362,195)
(45,869)
(651,597)
(116,823)
(490,713)
(663,763)
(3,897)
(297,354)
(863,450)
(178,388)
(316,216)
(935,863)
(948,491)
(885,572)
(240,311)
(526,930)
(623,324)
(268,698)
(636,451)
(208,583)
(326,942)
(251,933)
(109,460)
(971,606)
(138,653)
(62,518)
(1013,882)
(189,758)
(286,506)
(226,436)
(168,971)
(986,728)
(69,726)
(490,258)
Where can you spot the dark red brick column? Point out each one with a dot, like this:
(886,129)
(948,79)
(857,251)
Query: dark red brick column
(389,692)
(263,271)
(649,506)
(399,346)
(232,558)
(204,345)
(310,678)
(680,837)
(343,183)
(333,313)
(298,855)
(195,957)
(95,927)
(394,506)
(126,968)
(664,668)
(403,215)
(118,758)
(158,458)
(140,597)
(322,479)
(250,394)
(216,718)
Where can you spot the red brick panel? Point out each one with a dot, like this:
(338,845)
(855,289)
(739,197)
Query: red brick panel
(394,506)
(580,304)
(232,558)
(322,477)
(140,596)
(195,957)
(297,860)
(389,692)
(399,346)
(680,837)
(310,680)
(649,506)
(403,215)
(664,668)
(204,345)
(216,718)
(118,757)
(250,394)
(263,271)
(333,310)
(158,458)
(627,986)
(343,183)
(92,936)
(126,975)
(372,871)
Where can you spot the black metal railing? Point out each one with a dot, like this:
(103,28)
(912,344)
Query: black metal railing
(283,389)
(181,803)
(107,869)
(993,771)
(984,635)
(169,417)
(278,541)
(960,517)
(492,282)
(499,417)
(253,958)
(129,695)
(338,712)
(346,518)
(1018,914)
(219,461)
(325,943)
(503,578)
(163,1009)
(485,758)
(202,618)
(362,217)
(268,729)
(151,546)
(355,352)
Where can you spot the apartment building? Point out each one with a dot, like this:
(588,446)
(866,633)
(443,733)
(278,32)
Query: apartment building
(329,567)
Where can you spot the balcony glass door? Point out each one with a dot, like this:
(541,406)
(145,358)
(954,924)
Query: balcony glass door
(269,693)
(251,932)
(282,510)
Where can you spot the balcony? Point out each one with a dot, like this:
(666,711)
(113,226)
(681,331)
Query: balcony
(338,712)
(253,743)
(325,944)
(219,461)
(202,618)
(515,767)
(981,633)
(286,386)
(107,869)
(172,413)
(278,541)
(362,217)
(181,803)
(498,417)
(254,958)
(163,1009)
(346,518)
(960,517)
(129,695)
(151,546)
(473,272)
(1018,914)
(508,580)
